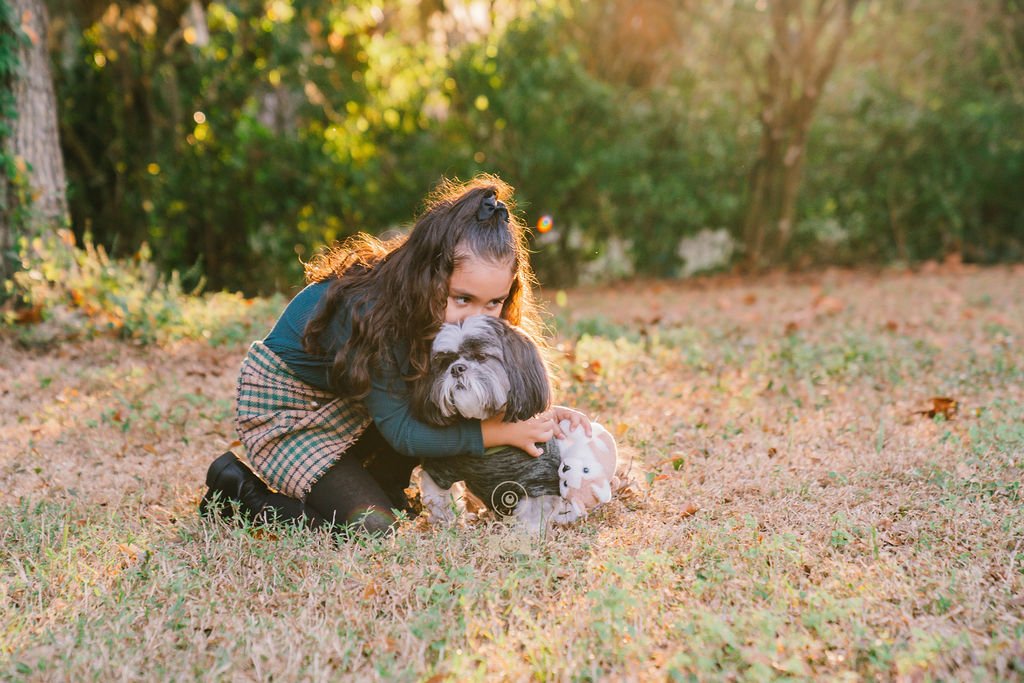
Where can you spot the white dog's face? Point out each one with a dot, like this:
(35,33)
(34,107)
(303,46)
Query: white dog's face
(482,367)
(467,362)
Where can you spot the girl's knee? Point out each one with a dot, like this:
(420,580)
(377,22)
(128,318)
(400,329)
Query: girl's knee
(373,520)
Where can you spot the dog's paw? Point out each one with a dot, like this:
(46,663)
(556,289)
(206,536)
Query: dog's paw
(441,504)
(536,513)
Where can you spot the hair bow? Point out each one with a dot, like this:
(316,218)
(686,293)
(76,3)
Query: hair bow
(489,206)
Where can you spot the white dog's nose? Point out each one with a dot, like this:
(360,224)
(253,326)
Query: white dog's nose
(458,369)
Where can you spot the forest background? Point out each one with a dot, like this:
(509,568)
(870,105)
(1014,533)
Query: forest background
(228,140)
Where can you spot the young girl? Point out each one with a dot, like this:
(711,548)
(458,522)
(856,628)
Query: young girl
(323,401)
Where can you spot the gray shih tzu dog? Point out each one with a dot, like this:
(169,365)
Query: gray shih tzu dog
(481,367)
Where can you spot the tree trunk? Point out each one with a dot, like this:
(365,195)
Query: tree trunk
(801,56)
(33,143)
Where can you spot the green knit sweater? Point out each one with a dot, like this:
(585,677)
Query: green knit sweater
(388,400)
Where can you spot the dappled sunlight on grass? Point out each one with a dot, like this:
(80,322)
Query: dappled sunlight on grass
(90,421)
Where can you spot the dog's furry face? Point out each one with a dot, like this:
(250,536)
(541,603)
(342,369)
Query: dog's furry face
(479,368)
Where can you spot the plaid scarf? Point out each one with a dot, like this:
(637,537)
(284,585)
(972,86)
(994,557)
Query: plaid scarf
(292,432)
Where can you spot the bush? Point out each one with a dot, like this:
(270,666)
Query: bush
(65,293)
(609,164)
(908,181)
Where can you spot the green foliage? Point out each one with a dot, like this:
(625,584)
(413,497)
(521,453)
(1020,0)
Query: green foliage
(604,161)
(238,151)
(237,141)
(529,108)
(65,292)
(9,38)
(11,205)
(919,179)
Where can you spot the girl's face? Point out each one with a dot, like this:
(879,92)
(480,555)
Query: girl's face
(477,287)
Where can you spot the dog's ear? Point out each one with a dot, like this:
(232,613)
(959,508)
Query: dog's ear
(424,405)
(606,450)
(430,414)
(529,391)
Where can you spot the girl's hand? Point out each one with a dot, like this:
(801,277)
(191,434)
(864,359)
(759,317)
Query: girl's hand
(575,418)
(523,435)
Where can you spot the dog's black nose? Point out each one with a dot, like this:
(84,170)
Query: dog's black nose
(458,369)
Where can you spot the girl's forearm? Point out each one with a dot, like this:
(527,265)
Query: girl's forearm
(494,432)
(523,435)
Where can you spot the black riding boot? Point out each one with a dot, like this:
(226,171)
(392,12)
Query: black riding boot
(236,483)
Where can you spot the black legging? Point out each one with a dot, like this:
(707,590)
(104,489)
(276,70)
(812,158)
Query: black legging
(357,493)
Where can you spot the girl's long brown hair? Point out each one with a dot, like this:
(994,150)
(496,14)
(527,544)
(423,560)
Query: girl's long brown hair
(398,289)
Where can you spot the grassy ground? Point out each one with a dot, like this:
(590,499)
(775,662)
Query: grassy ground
(800,507)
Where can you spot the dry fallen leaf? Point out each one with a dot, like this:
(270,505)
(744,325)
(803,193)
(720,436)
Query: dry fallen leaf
(941,405)
(562,573)
(588,372)
(689,510)
(828,305)
(29,316)
(264,535)
(473,504)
